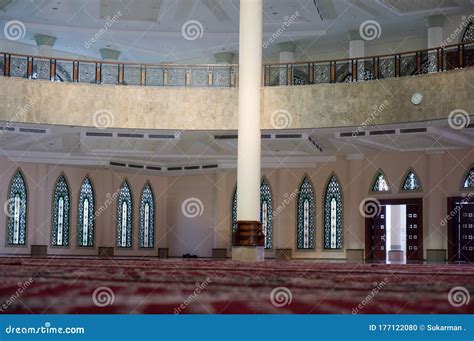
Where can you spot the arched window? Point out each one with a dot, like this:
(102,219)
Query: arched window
(266,212)
(17,208)
(234,211)
(411,183)
(61,213)
(305,215)
(333,215)
(85,220)
(124,216)
(469,179)
(468,35)
(147,218)
(380,183)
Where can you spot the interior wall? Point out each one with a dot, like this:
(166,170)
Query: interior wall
(440,174)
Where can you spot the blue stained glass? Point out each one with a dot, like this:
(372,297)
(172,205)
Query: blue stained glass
(61,213)
(469,180)
(266,213)
(85,216)
(380,183)
(305,215)
(147,218)
(234,211)
(17,210)
(333,215)
(411,182)
(124,217)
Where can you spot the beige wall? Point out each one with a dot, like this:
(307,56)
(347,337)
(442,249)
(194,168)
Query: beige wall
(440,174)
(312,106)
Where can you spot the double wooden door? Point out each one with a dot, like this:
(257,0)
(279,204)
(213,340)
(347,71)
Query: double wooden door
(376,230)
(461,229)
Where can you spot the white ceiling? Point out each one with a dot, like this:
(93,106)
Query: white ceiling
(280,148)
(150,30)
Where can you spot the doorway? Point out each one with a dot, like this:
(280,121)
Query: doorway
(395,234)
(460,229)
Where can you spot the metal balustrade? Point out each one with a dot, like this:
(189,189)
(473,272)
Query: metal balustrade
(226,76)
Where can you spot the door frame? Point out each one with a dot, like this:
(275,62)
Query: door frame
(451,206)
(407,201)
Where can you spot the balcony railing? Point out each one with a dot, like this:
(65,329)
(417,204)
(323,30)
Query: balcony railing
(99,72)
(219,75)
(370,68)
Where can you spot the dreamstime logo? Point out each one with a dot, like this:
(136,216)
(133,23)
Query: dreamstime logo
(9,207)
(103,296)
(370,30)
(280,297)
(281,119)
(458,296)
(14,30)
(458,119)
(103,119)
(369,207)
(192,207)
(192,30)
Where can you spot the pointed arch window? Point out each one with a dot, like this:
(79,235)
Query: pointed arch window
(234,211)
(468,35)
(266,213)
(147,218)
(333,215)
(17,210)
(411,182)
(85,231)
(305,215)
(380,183)
(124,216)
(469,179)
(61,213)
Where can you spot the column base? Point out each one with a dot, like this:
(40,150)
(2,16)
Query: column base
(355,255)
(248,253)
(219,253)
(283,254)
(106,252)
(249,233)
(39,250)
(436,256)
(163,253)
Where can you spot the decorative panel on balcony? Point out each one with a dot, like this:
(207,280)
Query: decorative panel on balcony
(64,71)
(154,76)
(322,73)
(387,67)
(109,74)
(87,72)
(300,75)
(18,67)
(41,69)
(131,75)
(407,65)
(176,77)
(199,76)
(221,77)
(343,72)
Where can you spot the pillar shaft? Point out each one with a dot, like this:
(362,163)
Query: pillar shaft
(249,145)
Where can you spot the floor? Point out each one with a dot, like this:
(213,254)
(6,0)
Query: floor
(174,286)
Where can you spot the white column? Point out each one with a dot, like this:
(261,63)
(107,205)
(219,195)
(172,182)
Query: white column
(357,50)
(435,38)
(249,141)
(287,55)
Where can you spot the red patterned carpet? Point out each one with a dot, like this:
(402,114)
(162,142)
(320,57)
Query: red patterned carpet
(90,285)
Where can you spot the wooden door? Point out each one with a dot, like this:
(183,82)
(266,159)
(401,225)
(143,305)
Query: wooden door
(377,249)
(461,230)
(414,246)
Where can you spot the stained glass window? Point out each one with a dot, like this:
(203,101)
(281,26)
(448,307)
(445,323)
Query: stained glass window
(147,218)
(234,211)
(85,230)
(61,213)
(266,212)
(333,215)
(411,182)
(17,208)
(468,35)
(380,183)
(469,180)
(305,215)
(124,217)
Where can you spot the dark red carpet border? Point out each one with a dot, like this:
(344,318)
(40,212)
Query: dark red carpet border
(153,286)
